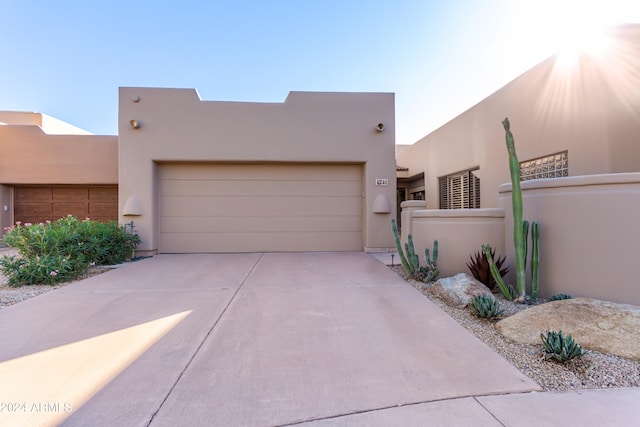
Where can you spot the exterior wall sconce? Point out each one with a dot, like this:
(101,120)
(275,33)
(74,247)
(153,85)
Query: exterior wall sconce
(132,207)
(380,127)
(134,123)
(381,205)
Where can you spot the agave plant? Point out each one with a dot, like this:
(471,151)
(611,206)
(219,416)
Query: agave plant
(559,347)
(479,267)
(558,297)
(485,306)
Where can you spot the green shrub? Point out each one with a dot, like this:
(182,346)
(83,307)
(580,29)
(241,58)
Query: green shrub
(558,297)
(62,250)
(559,347)
(485,306)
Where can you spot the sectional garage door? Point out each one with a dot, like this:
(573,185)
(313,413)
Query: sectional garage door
(50,202)
(260,207)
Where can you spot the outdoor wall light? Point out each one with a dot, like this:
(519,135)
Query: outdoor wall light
(134,123)
(380,127)
(135,98)
(132,207)
(381,205)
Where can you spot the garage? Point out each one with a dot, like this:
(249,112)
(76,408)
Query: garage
(34,204)
(244,207)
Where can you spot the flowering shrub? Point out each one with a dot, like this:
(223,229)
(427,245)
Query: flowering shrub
(62,250)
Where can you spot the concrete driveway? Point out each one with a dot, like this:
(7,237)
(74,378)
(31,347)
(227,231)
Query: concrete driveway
(245,340)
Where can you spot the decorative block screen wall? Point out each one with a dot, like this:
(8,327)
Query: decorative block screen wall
(553,166)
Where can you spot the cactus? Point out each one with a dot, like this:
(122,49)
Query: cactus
(410,260)
(559,347)
(403,259)
(516,202)
(414,261)
(535,238)
(485,306)
(507,290)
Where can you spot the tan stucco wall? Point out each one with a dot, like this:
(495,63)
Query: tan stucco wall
(175,125)
(460,233)
(29,156)
(589,233)
(591,110)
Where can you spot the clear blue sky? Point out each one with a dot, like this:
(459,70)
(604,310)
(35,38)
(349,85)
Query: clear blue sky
(67,58)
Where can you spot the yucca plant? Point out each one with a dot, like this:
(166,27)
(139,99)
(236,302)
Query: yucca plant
(559,347)
(479,267)
(485,306)
(558,297)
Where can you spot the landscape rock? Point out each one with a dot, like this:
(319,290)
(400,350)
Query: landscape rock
(594,324)
(458,290)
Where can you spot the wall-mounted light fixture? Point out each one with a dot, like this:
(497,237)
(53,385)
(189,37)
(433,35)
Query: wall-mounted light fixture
(135,98)
(380,127)
(134,123)
(132,207)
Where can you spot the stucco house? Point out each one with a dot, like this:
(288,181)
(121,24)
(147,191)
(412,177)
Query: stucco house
(49,169)
(314,173)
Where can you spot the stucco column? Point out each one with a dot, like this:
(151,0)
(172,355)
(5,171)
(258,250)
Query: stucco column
(408,207)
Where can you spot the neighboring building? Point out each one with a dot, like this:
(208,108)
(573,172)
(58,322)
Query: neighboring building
(567,121)
(50,169)
(315,173)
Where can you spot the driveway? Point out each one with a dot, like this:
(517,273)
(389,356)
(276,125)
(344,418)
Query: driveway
(244,340)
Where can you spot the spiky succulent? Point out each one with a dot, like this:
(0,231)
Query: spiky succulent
(558,297)
(485,306)
(559,347)
(479,267)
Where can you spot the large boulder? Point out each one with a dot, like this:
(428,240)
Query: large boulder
(458,290)
(596,325)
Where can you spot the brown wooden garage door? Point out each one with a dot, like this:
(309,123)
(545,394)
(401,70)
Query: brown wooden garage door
(260,207)
(41,203)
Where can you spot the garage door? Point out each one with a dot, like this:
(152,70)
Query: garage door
(36,204)
(260,207)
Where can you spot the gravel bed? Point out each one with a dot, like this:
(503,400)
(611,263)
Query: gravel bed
(10,295)
(594,370)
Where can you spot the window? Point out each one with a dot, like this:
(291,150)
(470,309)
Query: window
(460,190)
(553,166)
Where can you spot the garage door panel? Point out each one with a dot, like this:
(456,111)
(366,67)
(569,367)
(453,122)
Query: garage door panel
(107,195)
(260,242)
(268,206)
(259,207)
(80,210)
(24,210)
(260,188)
(100,211)
(263,172)
(65,194)
(33,194)
(255,224)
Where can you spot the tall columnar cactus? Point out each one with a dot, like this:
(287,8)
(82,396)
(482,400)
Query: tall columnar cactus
(410,260)
(412,257)
(434,252)
(403,259)
(516,201)
(535,239)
